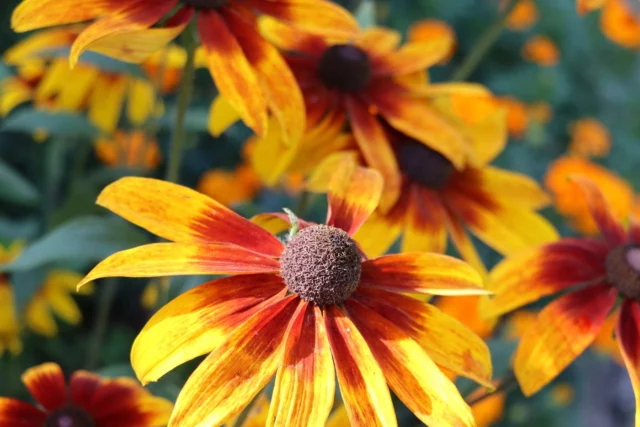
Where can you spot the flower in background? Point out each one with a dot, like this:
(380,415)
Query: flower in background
(130,149)
(86,400)
(541,50)
(617,192)
(230,187)
(591,275)
(9,325)
(619,20)
(294,309)
(523,16)
(584,6)
(467,310)
(589,138)
(248,71)
(433,29)
(522,117)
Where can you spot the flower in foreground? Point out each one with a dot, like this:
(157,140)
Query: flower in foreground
(295,309)
(593,275)
(86,401)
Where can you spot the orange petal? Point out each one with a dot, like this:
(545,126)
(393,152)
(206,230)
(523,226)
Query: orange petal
(235,79)
(277,222)
(464,245)
(545,270)
(362,383)
(609,226)
(511,187)
(422,272)
(377,234)
(15,413)
(276,80)
(33,14)
(411,373)
(227,380)
(426,226)
(312,16)
(378,40)
(447,341)
(628,333)
(413,57)
(376,149)
(290,39)
(353,195)
(305,383)
(47,385)
(131,19)
(562,331)
(198,321)
(181,214)
(178,259)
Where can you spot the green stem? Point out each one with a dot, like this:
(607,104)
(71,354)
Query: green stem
(184,97)
(482,46)
(101,323)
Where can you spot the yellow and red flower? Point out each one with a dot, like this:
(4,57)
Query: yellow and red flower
(592,275)
(294,309)
(248,71)
(133,149)
(86,400)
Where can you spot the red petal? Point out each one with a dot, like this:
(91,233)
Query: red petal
(628,333)
(609,226)
(47,385)
(634,230)
(14,413)
(82,388)
(561,332)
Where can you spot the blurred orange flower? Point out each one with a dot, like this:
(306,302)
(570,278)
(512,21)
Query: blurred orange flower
(133,150)
(542,51)
(489,410)
(589,138)
(523,15)
(466,310)
(620,22)
(584,6)
(430,29)
(517,116)
(230,186)
(567,200)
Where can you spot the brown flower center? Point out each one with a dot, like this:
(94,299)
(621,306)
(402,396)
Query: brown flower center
(69,416)
(205,4)
(321,264)
(424,165)
(345,67)
(623,270)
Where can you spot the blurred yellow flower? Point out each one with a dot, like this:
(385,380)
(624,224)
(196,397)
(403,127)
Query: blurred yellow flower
(542,51)
(523,15)
(589,138)
(9,325)
(134,149)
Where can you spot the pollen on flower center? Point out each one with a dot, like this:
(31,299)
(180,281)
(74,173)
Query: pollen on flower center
(623,270)
(69,417)
(424,165)
(345,67)
(321,264)
(205,4)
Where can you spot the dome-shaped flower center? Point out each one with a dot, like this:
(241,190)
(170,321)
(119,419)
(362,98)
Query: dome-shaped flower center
(424,165)
(623,270)
(69,417)
(321,264)
(205,4)
(345,67)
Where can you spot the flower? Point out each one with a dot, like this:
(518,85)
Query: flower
(592,275)
(466,309)
(87,400)
(584,6)
(133,150)
(9,325)
(617,192)
(523,16)
(248,71)
(230,187)
(541,50)
(619,20)
(294,309)
(517,116)
(589,138)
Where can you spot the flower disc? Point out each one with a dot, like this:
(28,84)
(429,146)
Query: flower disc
(623,270)
(424,165)
(69,417)
(345,67)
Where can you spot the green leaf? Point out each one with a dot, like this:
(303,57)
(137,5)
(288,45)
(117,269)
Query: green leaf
(25,284)
(365,14)
(87,239)
(105,63)
(14,188)
(5,71)
(53,123)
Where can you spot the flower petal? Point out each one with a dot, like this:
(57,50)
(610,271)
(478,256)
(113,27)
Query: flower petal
(133,18)
(378,41)
(411,373)
(464,245)
(376,149)
(446,340)
(422,272)
(362,383)
(275,78)
(290,39)
(561,332)
(47,385)
(227,380)
(378,233)
(221,116)
(235,79)
(426,229)
(82,388)
(33,14)
(510,187)
(181,259)
(277,222)
(305,383)
(413,57)
(180,214)
(634,230)
(353,195)
(526,277)
(198,321)
(609,226)
(15,413)
(628,333)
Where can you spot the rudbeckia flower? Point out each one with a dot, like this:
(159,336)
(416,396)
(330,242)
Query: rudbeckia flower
(248,71)
(619,20)
(593,275)
(523,16)
(87,400)
(589,138)
(541,50)
(133,149)
(295,309)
